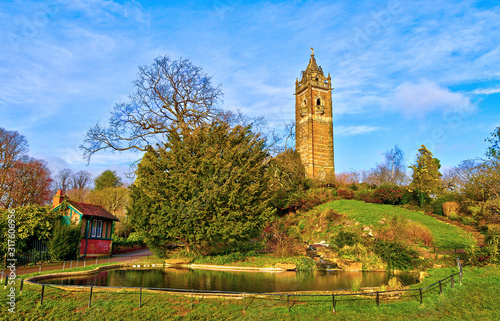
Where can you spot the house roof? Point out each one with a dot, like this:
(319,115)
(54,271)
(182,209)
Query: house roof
(93,210)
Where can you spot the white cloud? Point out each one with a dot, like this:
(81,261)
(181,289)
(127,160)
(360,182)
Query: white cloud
(488,91)
(354,130)
(420,99)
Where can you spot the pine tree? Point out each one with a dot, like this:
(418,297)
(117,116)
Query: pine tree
(426,177)
(206,189)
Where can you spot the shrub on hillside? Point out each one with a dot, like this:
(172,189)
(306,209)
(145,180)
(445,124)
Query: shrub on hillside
(415,198)
(65,242)
(344,238)
(363,194)
(389,194)
(397,255)
(345,193)
(373,200)
(399,229)
(310,198)
(437,204)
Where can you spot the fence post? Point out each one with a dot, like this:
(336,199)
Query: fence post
(90,296)
(64,265)
(333,302)
(95,261)
(421,298)
(140,297)
(21,288)
(378,299)
(77,262)
(288,302)
(452,281)
(71,265)
(40,268)
(84,263)
(6,279)
(108,259)
(43,290)
(440,288)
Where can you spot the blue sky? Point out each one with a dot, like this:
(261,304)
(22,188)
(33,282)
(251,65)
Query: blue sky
(406,73)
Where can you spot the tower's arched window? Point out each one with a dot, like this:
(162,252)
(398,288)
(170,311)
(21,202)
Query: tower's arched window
(318,101)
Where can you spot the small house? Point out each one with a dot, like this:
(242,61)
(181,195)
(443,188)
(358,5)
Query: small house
(97,225)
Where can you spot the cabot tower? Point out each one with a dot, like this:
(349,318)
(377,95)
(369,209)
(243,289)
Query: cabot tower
(314,121)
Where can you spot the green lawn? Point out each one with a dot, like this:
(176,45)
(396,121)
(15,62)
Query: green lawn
(445,235)
(477,299)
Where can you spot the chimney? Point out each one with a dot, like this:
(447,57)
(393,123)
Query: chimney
(58,198)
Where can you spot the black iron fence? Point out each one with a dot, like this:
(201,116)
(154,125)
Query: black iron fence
(289,298)
(39,252)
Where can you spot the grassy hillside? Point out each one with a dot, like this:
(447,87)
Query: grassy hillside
(368,214)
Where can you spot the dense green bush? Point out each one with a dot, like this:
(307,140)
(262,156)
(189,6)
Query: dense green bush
(389,194)
(397,255)
(310,198)
(223,259)
(373,200)
(467,220)
(415,198)
(489,253)
(437,204)
(344,238)
(134,239)
(65,242)
(363,194)
(345,193)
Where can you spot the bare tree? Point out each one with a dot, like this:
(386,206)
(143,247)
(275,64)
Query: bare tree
(392,170)
(64,180)
(81,180)
(456,178)
(169,94)
(12,147)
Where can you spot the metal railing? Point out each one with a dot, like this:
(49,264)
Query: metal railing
(376,296)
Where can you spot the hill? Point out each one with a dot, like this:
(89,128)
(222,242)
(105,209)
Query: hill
(319,223)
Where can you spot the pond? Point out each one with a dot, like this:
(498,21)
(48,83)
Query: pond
(237,281)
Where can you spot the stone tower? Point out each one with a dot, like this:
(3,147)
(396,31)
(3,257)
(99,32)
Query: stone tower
(314,122)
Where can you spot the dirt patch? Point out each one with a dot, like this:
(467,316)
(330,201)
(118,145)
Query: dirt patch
(474,231)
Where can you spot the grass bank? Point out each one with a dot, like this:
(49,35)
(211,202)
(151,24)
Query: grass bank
(477,299)
(369,214)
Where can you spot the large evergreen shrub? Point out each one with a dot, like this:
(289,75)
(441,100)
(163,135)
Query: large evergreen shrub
(65,242)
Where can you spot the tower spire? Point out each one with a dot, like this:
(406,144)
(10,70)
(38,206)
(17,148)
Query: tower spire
(312,66)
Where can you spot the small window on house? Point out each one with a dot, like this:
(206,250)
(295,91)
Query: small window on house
(93,228)
(98,232)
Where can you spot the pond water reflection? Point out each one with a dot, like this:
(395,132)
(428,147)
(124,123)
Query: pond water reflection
(256,282)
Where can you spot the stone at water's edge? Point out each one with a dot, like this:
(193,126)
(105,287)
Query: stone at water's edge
(286,266)
(177,261)
(355,266)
